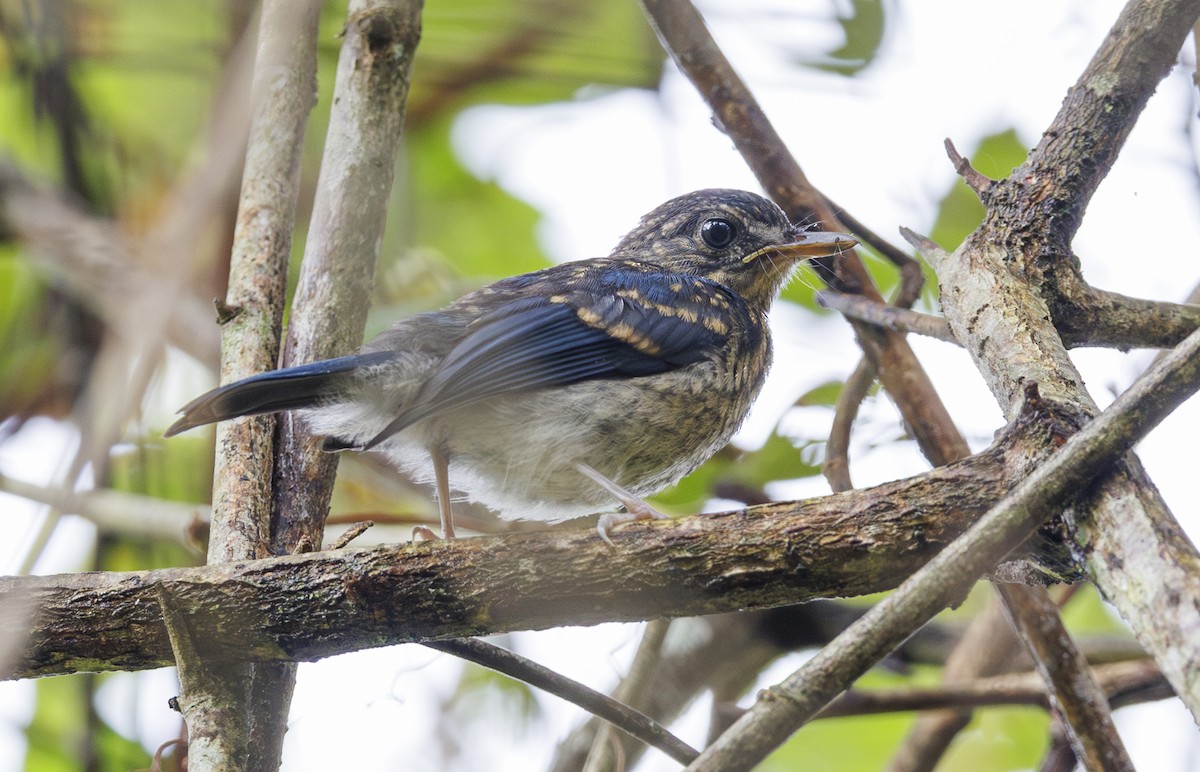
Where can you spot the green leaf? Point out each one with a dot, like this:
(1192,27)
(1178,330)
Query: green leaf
(59,732)
(777,459)
(824,394)
(837,745)
(864,23)
(960,211)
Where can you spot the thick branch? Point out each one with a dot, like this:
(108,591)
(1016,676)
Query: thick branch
(304,607)
(241,699)
(1086,316)
(997,293)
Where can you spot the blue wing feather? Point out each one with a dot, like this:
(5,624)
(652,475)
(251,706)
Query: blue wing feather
(542,340)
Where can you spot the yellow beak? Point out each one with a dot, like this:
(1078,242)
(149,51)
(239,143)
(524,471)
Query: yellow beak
(807,245)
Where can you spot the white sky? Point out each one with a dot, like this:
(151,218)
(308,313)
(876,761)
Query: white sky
(874,144)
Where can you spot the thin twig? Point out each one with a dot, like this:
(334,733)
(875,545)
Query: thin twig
(1141,678)
(912,278)
(620,715)
(975,181)
(351,533)
(837,449)
(885,315)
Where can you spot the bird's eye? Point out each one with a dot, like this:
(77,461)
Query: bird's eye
(718,233)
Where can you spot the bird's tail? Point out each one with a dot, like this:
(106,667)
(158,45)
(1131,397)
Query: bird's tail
(295,387)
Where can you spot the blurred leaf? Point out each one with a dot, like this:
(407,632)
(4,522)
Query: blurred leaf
(59,730)
(777,459)
(997,740)
(837,745)
(482,230)
(487,701)
(863,22)
(1088,614)
(825,394)
(528,52)
(1000,740)
(803,289)
(179,470)
(46,341)
(960,211)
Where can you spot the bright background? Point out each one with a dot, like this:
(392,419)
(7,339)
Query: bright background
(589,166)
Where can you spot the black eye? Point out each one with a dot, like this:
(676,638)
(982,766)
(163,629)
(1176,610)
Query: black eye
(718,233)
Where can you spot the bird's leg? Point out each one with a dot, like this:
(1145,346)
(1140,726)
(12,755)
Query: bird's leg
(635,508)
(441,476)
(441,479)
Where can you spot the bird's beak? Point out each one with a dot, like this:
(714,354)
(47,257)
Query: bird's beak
(807,245)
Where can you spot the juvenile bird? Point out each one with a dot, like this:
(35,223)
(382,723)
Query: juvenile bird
(565,391)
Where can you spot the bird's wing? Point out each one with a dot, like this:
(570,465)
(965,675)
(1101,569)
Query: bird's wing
(613,323)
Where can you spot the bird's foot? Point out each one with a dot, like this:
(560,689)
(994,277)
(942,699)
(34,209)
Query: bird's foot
(635,507)
(425,533)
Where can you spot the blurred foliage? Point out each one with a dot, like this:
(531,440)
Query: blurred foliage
(65,734)
(863,23)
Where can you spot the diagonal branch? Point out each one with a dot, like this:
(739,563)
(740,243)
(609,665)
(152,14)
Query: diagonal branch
(616,712)
(947,577)
(685,36)
(1074,691)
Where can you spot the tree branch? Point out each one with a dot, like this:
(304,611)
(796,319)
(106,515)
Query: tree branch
(304,607)
(1126,683)
(329,310)
(946,577)
(997,292)
(616,712)
(685,36)
(283,93)
(987,647)
(1073,689)
(886,315)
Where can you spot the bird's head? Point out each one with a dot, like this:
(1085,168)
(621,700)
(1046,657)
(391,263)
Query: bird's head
(733,237)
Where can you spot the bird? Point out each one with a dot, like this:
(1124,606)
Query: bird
(571,390)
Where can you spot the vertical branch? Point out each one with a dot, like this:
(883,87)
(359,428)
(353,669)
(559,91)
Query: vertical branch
(283,93)
(329,310)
